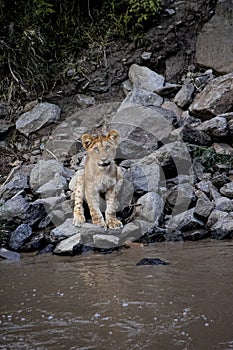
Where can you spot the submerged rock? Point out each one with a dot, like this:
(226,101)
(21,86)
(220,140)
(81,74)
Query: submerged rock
(151,261)
(9,255)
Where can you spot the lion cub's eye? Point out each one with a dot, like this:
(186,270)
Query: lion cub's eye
(96,150)
(107,148)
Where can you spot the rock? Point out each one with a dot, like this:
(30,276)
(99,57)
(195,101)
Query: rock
(174,154)
(223,227)
(180,197)
(85,101)
(151,261)
(215,127)
(168,89)
(144,174)
(215,98)
(141,98)
(9,255)
(4,109)
(183,97)
(106,241)
(42,114)
(20,236)
(67,245)
(216,216)
(149,207)
(14,210)
(17,184)
(67,229)
(5,126)
(227,190)
(46,170)
(219,179)
(203,206)
(214,44)
(224,204)
(195,235)
(184,221)
(194,136)
(140,128)
(142,78)
(222,148)
(134,231)
(53,187)
(19,210)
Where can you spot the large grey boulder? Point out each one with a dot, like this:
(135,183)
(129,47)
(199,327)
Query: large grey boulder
(141,98)
(46,170)
(41,115)
(214,44)
(18,183)
(215,98)
(149,208)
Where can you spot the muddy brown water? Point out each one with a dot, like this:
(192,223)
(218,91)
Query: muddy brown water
(97,301)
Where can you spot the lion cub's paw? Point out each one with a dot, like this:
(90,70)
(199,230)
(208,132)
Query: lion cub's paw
(114,224)
(78,219)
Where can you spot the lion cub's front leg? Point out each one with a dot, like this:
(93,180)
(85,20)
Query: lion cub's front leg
(79,217)
(93,204)
(111,202)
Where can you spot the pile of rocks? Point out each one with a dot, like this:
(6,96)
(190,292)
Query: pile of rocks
(168,192)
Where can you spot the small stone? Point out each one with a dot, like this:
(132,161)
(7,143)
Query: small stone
(19,237)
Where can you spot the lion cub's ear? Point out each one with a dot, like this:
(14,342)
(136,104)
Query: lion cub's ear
(113,135)
(87,140)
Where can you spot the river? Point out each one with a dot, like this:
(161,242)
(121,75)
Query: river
(97,301)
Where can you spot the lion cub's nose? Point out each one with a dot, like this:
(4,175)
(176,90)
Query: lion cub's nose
(103,160)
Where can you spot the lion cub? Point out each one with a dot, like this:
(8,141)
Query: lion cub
(101,175)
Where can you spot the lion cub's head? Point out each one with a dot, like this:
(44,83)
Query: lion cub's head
(101,149)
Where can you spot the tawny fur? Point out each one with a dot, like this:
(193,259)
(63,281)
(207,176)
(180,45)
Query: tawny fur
(100,175)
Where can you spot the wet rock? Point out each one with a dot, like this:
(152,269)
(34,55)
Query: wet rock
(149,207)
(9,255)
(143,78)
(215,98)
(134,231)
(227,190)
(195,235)
(20,236)
(141,98)
(151,261)
(154,234)
(183,97)
(218,33)
(41,115)
(106,241)
(66,246)
(215,127)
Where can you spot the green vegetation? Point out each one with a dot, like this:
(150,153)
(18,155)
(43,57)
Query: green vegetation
(212,160)
(41,39)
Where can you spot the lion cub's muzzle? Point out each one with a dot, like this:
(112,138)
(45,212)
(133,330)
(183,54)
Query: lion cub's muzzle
(104,163)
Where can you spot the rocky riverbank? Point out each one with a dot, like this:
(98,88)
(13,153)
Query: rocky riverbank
(175,152)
